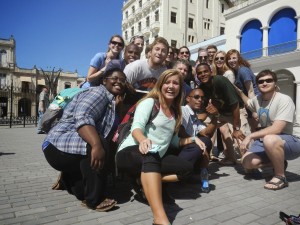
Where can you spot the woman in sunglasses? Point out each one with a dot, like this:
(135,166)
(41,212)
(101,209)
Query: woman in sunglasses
(100,60)
(219,66)
(184,53)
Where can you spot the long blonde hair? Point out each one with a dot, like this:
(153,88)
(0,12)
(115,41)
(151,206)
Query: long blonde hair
(214,68)
(157,94)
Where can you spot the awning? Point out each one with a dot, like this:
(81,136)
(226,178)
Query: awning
(26,79)
(41,82)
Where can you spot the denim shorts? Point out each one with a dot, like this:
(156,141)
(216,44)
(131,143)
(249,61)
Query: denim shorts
(291,148)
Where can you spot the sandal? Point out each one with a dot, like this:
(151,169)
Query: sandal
(104,206)
(282,183)
(214,158)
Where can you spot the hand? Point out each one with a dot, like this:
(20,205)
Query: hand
(200,144)
(119,99)
(107,60)
(97,158)
(238,135)
(145,145)
(244,146)
(211,109)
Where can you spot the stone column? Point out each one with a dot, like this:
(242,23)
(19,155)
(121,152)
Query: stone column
(238,42)
(298,31)
(297,100)
(265,45)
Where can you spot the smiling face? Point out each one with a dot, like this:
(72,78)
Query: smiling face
(115,83)
(203,73)
(184,53)
(211,52)
(195,99)
(182,68)
(220,60)
(116,45)
(266,84)
(232,61)
(158,54)
(131,53)
(170,88)
(139,42)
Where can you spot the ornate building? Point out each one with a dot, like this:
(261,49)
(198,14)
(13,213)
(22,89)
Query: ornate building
(20,87)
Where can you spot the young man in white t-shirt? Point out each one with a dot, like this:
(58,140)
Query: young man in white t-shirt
(275,140)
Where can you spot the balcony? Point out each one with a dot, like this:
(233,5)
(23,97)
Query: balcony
(272,50)
(155,27)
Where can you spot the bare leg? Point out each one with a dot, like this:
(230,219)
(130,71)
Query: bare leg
(274,149)
(228,142)
(152,187)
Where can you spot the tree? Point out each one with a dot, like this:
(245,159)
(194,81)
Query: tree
(51,80)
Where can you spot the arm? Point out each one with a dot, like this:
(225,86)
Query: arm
(249,86)
(94,74)
(210,129)
(90,135)
(242,95)
(238,134)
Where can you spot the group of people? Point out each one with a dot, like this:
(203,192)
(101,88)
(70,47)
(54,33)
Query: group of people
(194,99)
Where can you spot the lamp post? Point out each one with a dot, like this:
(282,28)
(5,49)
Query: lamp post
(11,67)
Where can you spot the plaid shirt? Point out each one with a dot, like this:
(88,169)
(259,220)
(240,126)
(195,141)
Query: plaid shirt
(94,106)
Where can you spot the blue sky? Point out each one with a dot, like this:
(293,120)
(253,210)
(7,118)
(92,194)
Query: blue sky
(59,33)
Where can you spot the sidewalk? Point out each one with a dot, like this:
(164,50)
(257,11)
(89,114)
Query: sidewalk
(26,196)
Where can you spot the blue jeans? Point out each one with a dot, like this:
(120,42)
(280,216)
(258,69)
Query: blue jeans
(39,126)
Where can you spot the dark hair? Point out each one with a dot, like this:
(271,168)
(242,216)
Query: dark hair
(110,72)
(203,64)
(184,47)
(132,39)
(264,73)
(122,40)
(212,46)
(181,61)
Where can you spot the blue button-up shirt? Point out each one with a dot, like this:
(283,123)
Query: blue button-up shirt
(95,107)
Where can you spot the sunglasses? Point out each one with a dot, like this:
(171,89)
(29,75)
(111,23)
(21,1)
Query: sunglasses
(117,43)
(197,97)
(219,58)
(115,79)
(184,53)
(269,80)
(202,57)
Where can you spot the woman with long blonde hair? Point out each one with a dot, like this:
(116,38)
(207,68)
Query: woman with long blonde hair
(144,152)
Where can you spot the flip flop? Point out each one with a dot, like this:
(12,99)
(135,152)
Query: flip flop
(104,206)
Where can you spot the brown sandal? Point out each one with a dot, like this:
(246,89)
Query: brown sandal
(58,185)
(104,206)
(282,183)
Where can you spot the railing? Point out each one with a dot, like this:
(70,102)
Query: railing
(271,50)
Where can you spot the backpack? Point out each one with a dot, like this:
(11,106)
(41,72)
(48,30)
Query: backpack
(55,110)
(289,219)
(124,127)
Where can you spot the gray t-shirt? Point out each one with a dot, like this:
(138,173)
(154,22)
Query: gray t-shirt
(141,76)
(280,107)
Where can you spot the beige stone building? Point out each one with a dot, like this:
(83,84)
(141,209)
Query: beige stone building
(20,87)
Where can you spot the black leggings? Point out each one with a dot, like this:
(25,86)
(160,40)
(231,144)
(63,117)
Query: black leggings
(131,161)
(77,175)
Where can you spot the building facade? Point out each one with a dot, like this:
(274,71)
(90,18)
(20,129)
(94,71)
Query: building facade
(181,22)
(267,33)
(20,87)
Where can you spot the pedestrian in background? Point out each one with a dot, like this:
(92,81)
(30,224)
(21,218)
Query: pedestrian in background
(43,105)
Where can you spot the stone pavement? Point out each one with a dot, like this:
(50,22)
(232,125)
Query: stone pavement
(26,196)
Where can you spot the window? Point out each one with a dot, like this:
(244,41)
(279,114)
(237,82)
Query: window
(207,2)
(25,87)
(126,35)
(139,26)
(126,14)
(67,85)
(173,17)
(3,58)
(173,43)
(132,31)
(222,8)
(156,15)
(191,38)
(191,1)
(140,3)
(147,21)
(133,9)
(2,80)
(222,30)
(191,23)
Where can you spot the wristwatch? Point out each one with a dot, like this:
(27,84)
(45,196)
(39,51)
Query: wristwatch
(193,139)
(237,128)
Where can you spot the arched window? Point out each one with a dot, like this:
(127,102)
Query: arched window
(283,32)
(251,40)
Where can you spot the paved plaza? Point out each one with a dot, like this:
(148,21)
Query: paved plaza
(26,196)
